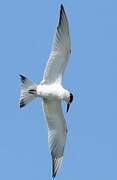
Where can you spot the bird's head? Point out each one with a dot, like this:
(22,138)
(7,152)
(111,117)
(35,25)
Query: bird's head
(70,100)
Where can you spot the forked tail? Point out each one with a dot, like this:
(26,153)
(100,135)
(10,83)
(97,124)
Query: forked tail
(28,91)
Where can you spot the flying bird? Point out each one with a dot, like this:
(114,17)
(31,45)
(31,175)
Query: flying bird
(52,92)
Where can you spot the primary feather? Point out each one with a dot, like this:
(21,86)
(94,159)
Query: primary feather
(61,48)
(57,131)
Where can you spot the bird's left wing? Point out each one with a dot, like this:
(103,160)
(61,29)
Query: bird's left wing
(57,131)
(61,49)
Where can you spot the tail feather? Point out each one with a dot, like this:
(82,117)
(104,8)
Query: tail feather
(26,94)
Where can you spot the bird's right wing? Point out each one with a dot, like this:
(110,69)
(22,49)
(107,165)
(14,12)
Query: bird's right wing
(57,131)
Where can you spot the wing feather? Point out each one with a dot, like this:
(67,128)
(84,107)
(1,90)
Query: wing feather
(61,48)
(57,131)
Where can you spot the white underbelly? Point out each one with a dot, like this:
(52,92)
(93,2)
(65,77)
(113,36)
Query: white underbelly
(50,92)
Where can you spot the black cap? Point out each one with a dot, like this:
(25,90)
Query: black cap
(71,97)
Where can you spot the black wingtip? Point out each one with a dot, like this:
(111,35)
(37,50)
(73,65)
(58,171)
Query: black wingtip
(62,8)
(53,176)
(62,11)
(53,169)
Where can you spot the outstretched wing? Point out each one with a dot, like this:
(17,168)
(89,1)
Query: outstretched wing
(61,48)
(57,131)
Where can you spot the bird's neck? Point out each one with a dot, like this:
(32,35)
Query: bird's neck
(66,96)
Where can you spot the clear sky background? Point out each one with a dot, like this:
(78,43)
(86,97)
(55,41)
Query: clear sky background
(26,31)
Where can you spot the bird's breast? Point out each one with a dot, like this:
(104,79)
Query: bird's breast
(50,92)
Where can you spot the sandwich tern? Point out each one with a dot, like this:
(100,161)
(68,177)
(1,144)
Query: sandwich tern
(52,92)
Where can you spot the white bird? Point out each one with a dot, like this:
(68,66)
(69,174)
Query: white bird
(52,92)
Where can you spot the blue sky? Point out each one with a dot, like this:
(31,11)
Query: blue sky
(26,31)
